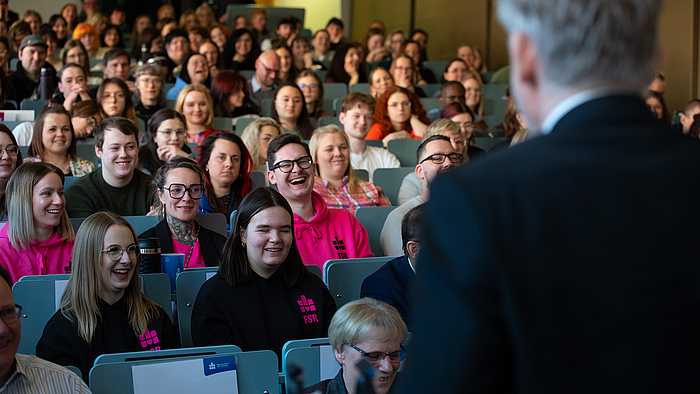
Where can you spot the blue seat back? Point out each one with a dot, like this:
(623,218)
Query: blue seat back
(488,143)
(373,218)
(309,354)
(344,277)
(188,284)
(405,151)
(168,353)
(390,179)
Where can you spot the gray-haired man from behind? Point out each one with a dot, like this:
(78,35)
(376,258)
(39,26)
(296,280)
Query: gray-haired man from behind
(568,263)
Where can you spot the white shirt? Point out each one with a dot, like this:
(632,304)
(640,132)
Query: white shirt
(372,159)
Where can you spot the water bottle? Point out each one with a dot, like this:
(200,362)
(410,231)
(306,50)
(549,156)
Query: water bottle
(144,55)
(46,83)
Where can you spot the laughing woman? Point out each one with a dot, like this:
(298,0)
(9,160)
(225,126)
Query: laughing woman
(38,237)
(103,309)
(179,187)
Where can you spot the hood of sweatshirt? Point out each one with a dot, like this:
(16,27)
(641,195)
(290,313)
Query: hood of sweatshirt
(302,228)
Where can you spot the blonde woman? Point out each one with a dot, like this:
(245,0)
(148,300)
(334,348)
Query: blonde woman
(257,137)
(336,181)
(473,96)
(38,237)
(194,103)
(103,309)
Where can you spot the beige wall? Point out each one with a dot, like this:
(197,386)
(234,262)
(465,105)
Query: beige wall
(318,12)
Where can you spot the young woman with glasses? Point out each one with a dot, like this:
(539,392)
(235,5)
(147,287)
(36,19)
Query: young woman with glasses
(103,309)
(179,187)
(312,88)
(398,114)
(10,158)
(166,141)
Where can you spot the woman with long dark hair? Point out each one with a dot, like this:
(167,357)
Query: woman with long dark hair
(262,296)
(241,50)
(229,91)
(347,66)
(289,109)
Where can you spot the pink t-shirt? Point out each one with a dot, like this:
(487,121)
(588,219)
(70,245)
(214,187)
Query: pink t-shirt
(196,260)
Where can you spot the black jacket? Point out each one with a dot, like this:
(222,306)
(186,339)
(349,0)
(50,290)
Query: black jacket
(20,87)
(210,242)
(62,344)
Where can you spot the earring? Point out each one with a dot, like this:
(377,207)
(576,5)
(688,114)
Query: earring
(243,244)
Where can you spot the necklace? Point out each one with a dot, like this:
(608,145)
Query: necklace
(196,236)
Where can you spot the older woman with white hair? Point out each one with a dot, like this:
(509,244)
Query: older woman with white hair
(364,329)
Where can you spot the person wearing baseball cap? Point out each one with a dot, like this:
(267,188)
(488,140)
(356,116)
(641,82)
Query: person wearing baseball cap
(32,58)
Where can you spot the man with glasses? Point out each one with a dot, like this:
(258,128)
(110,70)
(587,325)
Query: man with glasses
(148,96)
(20,373)
(436,155)
(321,233)
(117,186)
(264,81)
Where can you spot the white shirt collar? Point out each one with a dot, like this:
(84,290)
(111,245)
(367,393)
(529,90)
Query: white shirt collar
(565,106)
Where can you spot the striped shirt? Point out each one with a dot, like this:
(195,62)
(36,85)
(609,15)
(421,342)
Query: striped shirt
(35,375)
(366,194)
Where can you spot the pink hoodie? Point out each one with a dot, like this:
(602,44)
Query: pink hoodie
(331,234)
(49,257)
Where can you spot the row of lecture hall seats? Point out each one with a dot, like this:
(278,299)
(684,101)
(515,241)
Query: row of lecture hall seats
(112,373)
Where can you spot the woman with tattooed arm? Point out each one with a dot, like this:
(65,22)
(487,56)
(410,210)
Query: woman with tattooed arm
(179,186)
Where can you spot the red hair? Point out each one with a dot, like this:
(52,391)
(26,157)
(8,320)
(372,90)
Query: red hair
(381,110)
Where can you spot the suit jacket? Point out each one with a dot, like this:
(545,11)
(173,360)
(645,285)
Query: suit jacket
(566,264)
(211,243)
(390,284)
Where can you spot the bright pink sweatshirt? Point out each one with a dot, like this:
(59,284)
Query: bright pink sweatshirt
(49,257)
(331,234)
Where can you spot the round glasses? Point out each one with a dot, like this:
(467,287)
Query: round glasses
(115,253)
(287,166)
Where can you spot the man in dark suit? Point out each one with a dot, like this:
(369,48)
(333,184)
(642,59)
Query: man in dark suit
(392,281)
(569,263)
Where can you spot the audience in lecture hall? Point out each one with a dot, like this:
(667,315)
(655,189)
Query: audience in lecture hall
(102,308)
(262,296)
(318,187)
(180,184)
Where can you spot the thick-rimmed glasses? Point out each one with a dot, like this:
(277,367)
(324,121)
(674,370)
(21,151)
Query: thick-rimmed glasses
(115,253)
(177,190)
(269,70)
(377,357)
(11,315)
(287,166)
(439,158)
(12,150)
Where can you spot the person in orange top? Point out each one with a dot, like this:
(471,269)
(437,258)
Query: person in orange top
(398,114)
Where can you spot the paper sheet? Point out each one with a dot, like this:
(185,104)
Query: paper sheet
(201,375)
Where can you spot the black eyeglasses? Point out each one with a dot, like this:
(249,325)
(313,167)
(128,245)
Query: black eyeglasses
(439,158)
(115,253)
(286,166)
(377,357)
(269,70)
(177,190)
(11,315)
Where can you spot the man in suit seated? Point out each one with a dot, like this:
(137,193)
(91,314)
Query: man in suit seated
(568,263)
(391,283)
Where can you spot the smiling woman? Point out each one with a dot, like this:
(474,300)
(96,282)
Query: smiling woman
(179,187)
(103,309)
(38,238)
(54,141)
(336,181)
(261,265)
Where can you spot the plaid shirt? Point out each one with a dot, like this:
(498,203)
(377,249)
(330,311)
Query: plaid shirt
(367,194)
